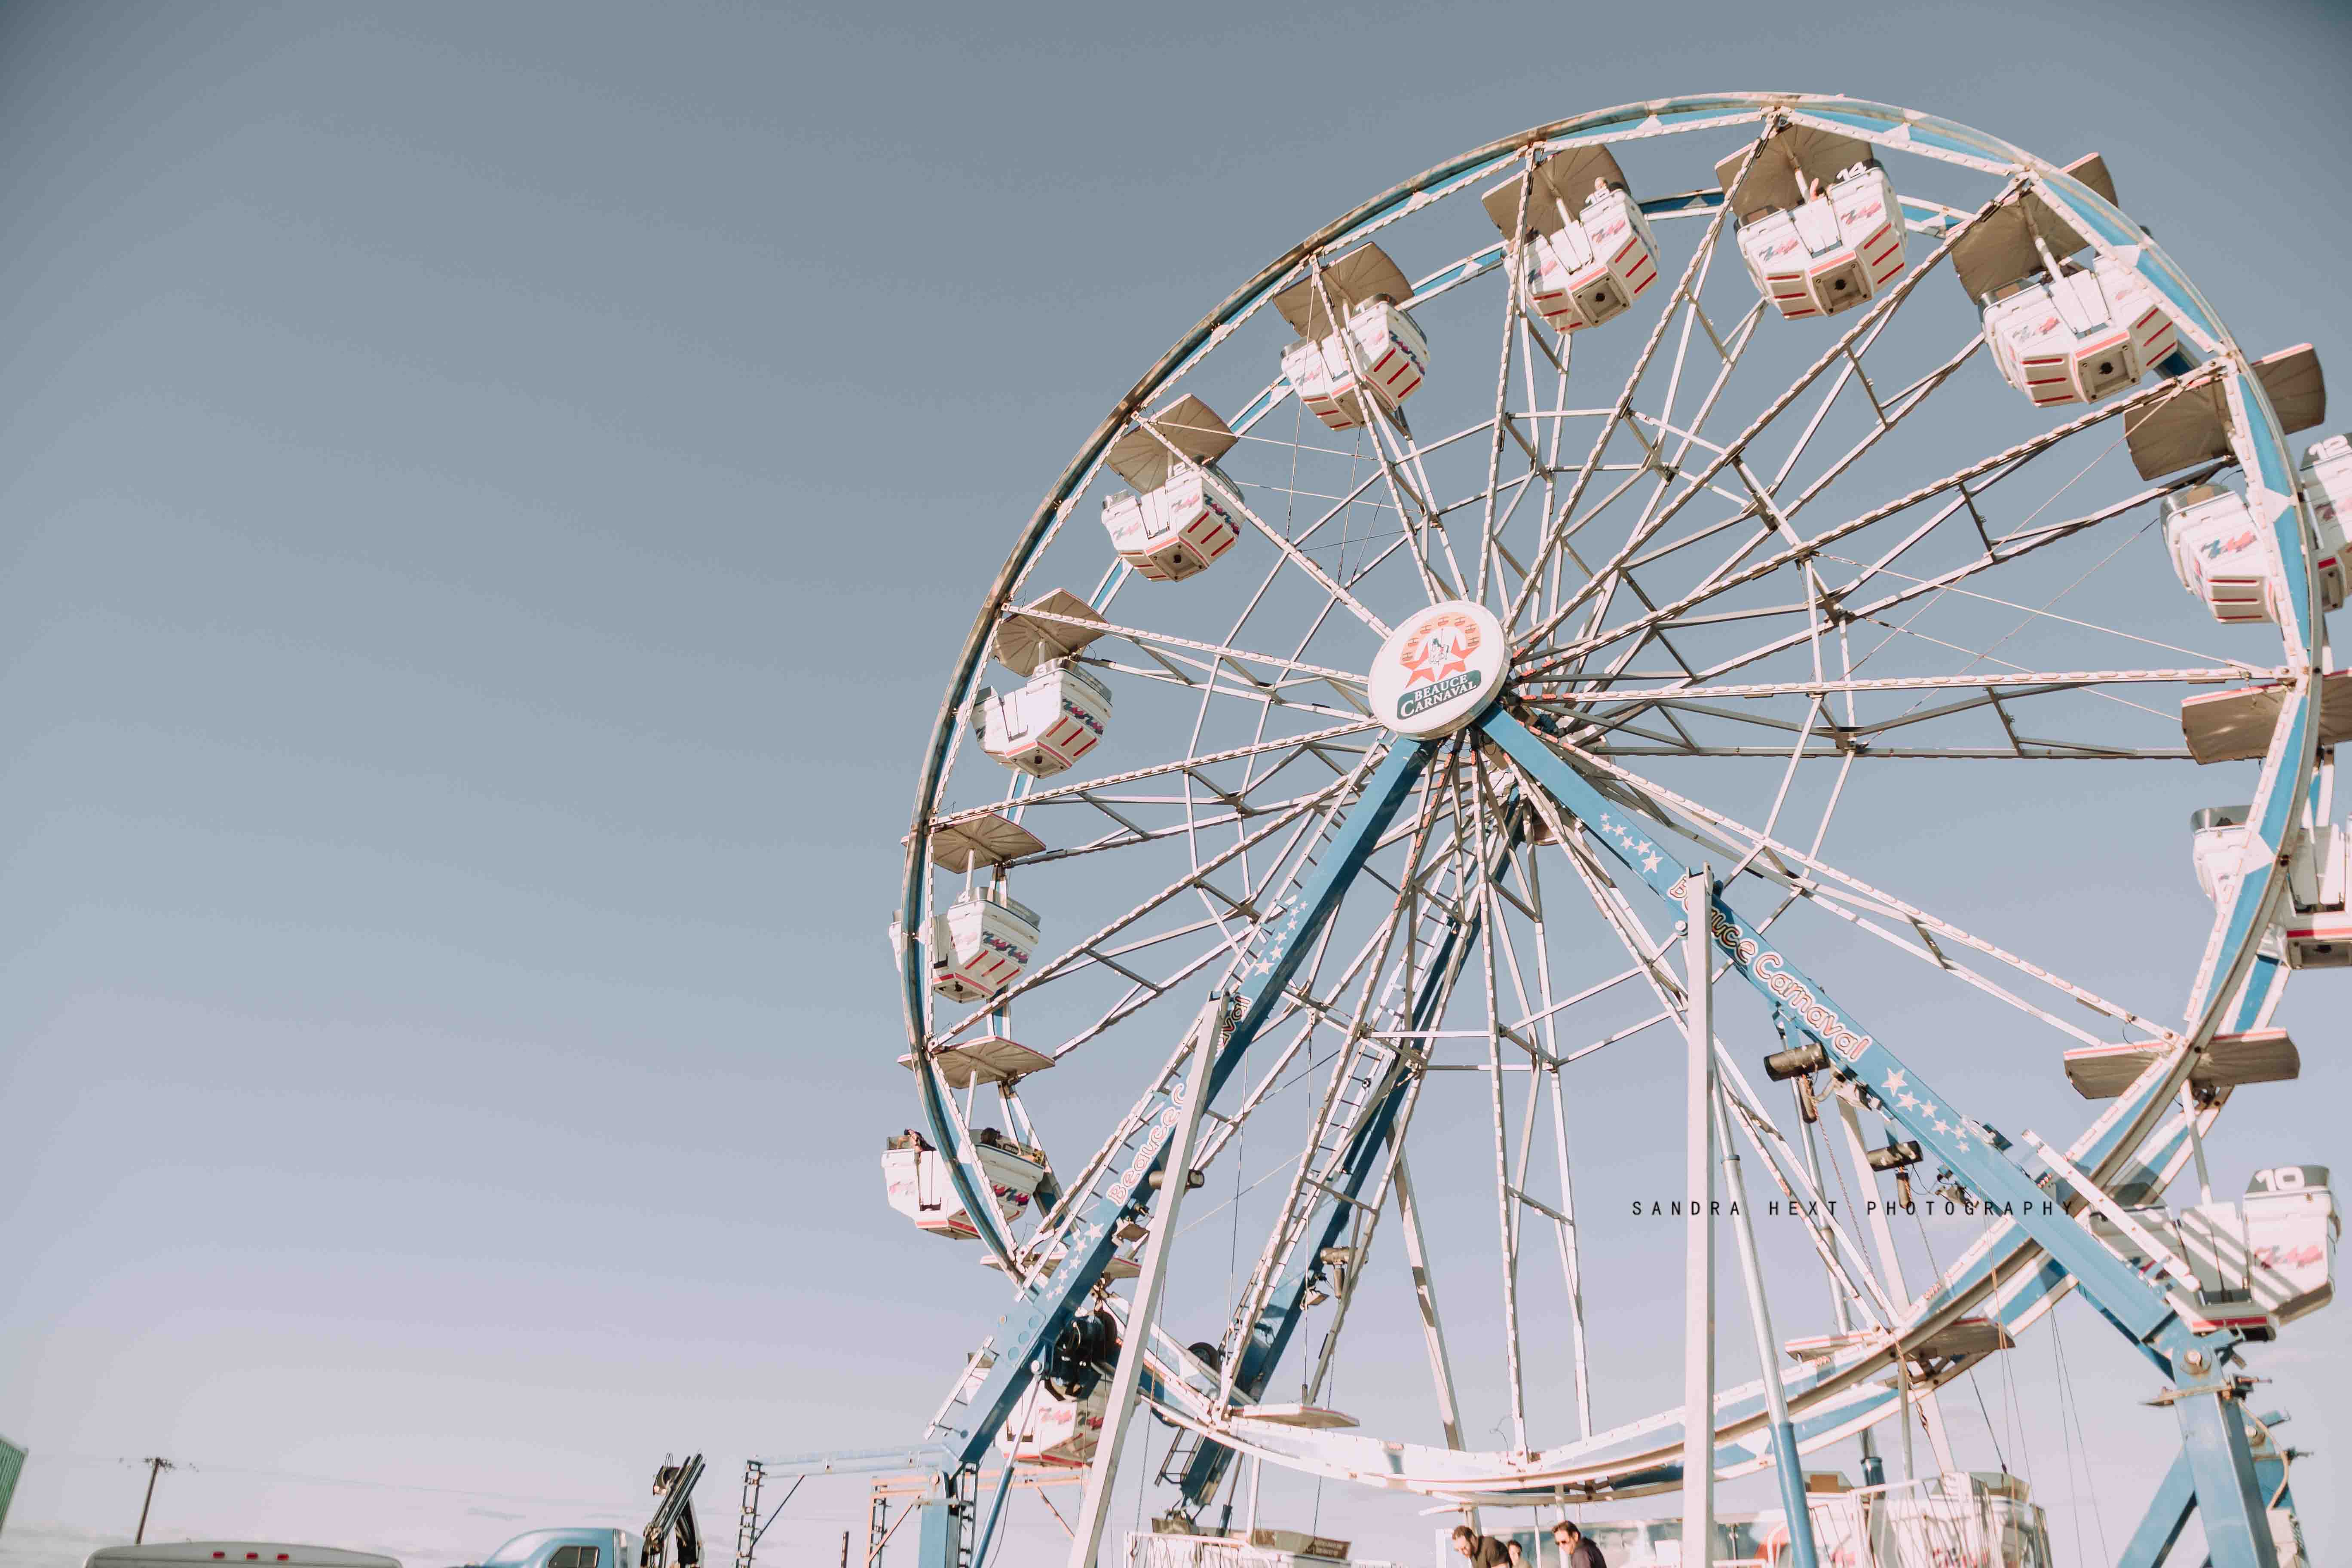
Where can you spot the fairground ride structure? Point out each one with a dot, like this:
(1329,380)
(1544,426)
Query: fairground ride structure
(1545,552)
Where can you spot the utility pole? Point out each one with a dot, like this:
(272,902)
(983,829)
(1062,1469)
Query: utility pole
(155,1466)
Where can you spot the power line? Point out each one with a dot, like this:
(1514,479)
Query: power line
(306,1480)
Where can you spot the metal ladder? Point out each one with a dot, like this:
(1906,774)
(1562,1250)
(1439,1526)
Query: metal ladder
(1353,1090)
(747,1528)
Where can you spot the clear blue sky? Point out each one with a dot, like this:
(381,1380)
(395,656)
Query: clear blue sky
(487,496)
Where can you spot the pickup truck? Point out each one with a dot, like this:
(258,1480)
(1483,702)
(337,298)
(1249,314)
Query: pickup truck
(601,1546)
(577,1546)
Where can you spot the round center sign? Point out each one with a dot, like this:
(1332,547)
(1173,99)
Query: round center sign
(1439,669)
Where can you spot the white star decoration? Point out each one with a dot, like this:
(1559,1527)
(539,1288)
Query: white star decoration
(1896,1080)
(1908,1101)
(1943,1126)
(1649,862)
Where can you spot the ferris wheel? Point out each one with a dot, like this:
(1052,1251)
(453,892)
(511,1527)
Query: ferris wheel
(1648,521)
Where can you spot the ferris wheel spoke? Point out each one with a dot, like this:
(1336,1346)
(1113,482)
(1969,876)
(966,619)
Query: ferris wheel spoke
(1373,956)
(1299,558)
(1851,898)
(1377,949)
(1843,1260)
(1888,415)
(1566,1238)
(1612,712)
(1247,691)
(1997,698)
(1557,532)
(1401,485)
(1847,1264)
(1323,1175)
(1251,778)
(1514,319)
(1404,488)
(2005,549)
(1314,743)
(1219,654)
(1467,781)
(1037,975)
(1521,486)
(1131,833)
(1872,315)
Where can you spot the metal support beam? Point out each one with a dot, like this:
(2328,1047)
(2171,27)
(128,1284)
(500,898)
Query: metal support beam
(1027,1332)
(938,1526)
(1890,1264)
(2213,1441)
(1698,1238)
(995,1516)
(1885,1079)
(1425,1289)
(2177,1497)
(2167,1516)
(1785,1459)
(2204,1399)
(1086,1540)
(1261,1348)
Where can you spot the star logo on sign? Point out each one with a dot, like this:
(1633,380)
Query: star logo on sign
(1960,1144)
(1908,1101)
(1649,862)
(1926,1108)
(1895,1082)
(1942,1126)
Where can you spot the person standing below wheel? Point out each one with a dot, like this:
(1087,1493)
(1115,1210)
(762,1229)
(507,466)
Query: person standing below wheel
(1575,1551)
(1482,1550)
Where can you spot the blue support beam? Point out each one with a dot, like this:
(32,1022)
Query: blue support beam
(2218,1463)
(938,1534)
(2176,1498)
(2167,1516)
(1796,1507)
(2221,1467)
(1269,1337)
(1025,1335)
(1890,1084)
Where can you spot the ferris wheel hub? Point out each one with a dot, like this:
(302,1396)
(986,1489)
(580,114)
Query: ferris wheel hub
(1439,669)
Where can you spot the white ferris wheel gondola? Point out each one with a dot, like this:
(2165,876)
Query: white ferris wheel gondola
(917,1179)
(1355,341)
(1588,253)
(1820,227)
(1176,521)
